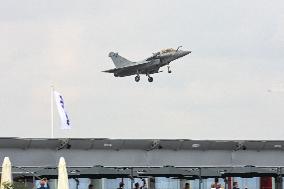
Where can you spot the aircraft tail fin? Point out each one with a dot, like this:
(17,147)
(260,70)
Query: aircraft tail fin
(119,61)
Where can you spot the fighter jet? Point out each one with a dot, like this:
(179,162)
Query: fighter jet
(148,66)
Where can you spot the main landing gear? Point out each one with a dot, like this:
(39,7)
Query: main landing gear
(150,79)
(137,78)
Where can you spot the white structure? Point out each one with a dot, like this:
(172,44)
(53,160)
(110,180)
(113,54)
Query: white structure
(62,175)
(6,176)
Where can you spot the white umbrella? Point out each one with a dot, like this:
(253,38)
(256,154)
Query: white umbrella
(62,175)
(6,177)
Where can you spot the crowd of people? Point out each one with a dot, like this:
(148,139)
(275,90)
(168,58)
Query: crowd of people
(43,184)
(215,185)
(136,185)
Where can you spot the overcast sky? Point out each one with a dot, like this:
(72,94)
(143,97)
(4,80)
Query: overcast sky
(230,87)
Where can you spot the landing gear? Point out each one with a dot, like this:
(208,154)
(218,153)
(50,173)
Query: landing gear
(150,79)
(169,71)
(137,78)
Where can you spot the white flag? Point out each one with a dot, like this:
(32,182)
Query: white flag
(65,122)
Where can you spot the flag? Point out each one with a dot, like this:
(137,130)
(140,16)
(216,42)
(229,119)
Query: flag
(65,122)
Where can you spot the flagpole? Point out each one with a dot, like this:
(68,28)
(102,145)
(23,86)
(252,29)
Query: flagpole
(51,108)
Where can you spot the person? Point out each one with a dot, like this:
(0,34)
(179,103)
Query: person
(144,186)
(235,185)
(187,186)
(219,186)
(136,185)
(216,184)
(121,185)
(91,186)
(43,184)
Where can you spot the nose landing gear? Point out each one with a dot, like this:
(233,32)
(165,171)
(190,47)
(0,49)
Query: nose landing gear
(169,71)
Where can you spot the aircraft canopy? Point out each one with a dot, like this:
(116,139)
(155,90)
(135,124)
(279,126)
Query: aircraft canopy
(168,50)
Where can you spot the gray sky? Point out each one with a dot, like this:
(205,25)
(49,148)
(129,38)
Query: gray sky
(230,87)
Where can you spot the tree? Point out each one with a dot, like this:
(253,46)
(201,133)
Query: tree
(15,185)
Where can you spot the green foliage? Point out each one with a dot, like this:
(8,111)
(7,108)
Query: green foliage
(15,185)
(7,185)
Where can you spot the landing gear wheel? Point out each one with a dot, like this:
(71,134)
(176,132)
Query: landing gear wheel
(137,78)
(150,79)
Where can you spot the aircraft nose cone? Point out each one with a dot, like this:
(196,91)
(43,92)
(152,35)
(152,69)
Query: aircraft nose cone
(183,53)
(187,52)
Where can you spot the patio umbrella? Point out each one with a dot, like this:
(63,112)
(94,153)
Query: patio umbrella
(6,177)
(62,175)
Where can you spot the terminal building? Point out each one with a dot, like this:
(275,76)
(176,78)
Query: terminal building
(164,164)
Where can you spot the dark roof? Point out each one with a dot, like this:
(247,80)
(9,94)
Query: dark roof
(141,144)
(128,172)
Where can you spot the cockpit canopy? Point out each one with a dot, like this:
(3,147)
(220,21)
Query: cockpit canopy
(167,50)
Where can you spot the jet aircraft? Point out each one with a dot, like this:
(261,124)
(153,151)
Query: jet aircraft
(148,66)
